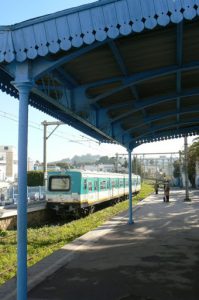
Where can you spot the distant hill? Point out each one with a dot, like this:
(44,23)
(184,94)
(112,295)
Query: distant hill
(84,159)
(80,159)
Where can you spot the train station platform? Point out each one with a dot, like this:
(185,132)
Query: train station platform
(11,210)
(37,214)
(156,258)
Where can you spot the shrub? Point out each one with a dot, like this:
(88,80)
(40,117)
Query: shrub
(35,178)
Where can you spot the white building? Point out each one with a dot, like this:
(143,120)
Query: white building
(8,163)
(99,167)
(30,164)
(39,167)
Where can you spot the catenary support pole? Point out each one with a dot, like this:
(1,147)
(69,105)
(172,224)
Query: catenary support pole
(131,221)
(45,138)
(186,170)
(24,90)
(44,154)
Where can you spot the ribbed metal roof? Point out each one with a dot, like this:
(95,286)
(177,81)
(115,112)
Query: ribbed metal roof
(121,71)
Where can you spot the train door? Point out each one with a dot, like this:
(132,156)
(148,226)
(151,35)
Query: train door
(96,189)
(84,192)
(113,188)
(109,188)
(127,186)
(123,186)
(133,184)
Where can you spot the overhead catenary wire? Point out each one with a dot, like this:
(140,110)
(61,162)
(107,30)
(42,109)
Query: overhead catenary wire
(79,139)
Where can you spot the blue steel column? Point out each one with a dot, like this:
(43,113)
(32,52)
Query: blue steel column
(24,90)
(131,221)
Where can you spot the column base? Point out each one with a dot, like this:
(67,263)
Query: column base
(187,200)
(131,222)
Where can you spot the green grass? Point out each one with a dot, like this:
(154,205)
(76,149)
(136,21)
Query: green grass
(47,239)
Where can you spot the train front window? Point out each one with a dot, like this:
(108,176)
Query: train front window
(59,183)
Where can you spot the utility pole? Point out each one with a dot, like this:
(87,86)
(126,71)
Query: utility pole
(44,153)
(171,166)
(186,170)
(180,167)
(143,167)
(45,124)
(156,169)
(136,171)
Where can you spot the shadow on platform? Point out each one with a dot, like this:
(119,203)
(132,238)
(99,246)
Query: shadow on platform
(157,258)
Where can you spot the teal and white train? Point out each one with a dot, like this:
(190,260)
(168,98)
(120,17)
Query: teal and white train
(78,192)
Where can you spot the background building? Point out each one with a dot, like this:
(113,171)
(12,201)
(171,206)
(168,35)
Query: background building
(8,163)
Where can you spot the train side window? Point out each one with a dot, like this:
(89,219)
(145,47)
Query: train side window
(103,185)
(59,183)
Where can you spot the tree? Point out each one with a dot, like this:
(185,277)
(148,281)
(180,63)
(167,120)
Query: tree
(106,160)
(176,171)
(136,166)
(103,160)
(35,178)
(193,156)
(63,165)
(151,162)
(125,164)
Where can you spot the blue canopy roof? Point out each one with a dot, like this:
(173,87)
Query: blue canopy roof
(89,23)
(121,71)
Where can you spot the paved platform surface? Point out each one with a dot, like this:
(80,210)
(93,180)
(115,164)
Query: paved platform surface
(11,210)
(157,258)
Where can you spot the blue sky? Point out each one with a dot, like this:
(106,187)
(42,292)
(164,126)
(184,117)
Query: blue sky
(66,141)
(13,11)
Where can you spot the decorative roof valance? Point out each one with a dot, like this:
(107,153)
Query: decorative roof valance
(87,24)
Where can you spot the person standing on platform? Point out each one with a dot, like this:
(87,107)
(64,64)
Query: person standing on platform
(166,192)
(156,186)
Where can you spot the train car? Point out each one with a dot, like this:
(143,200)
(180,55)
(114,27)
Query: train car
(78,192)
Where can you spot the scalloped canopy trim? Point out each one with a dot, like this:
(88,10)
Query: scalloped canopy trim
(89,24)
